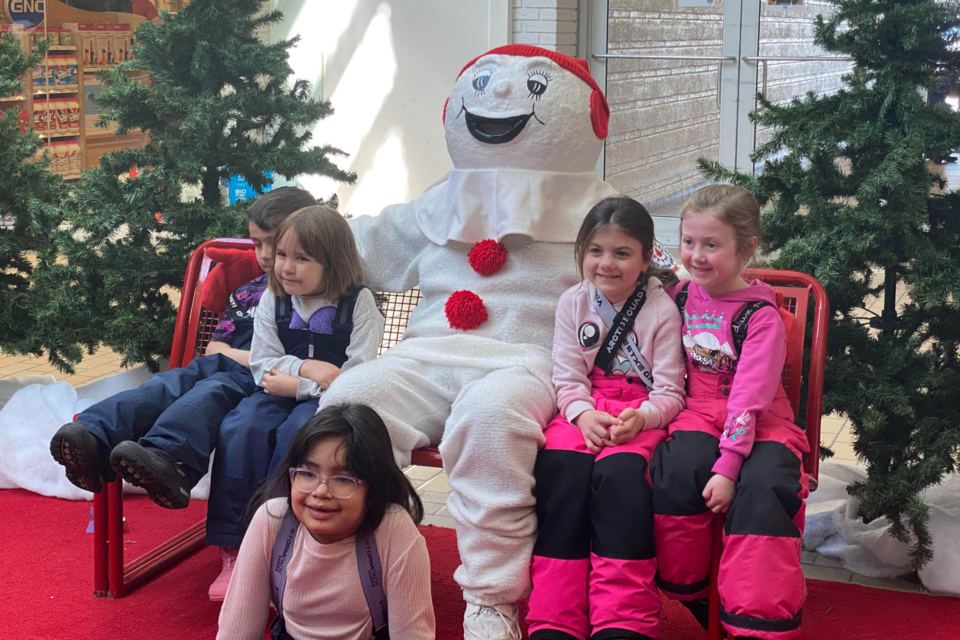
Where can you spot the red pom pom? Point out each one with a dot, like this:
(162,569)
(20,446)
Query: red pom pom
(487,257)
(465,310)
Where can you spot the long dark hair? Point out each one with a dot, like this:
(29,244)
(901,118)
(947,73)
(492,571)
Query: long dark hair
(630,217)
(367,454)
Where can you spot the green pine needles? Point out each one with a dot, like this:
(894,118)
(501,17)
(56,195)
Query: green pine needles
(217,102)
(28,193)
(850,200)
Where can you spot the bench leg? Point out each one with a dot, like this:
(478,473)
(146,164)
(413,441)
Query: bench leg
(101,583)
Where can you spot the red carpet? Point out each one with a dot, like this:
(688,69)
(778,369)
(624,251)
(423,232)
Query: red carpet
(47,579)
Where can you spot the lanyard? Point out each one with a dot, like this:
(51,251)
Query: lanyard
(618,337)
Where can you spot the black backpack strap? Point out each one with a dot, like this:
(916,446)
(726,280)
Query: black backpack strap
(681,298)
(283,311)
(346,307)
(739,326)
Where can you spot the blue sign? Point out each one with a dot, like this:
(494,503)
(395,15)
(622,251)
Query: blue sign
(28,13)
(239,189)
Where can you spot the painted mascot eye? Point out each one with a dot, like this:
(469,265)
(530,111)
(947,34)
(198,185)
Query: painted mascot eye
(537,82)
(480,81)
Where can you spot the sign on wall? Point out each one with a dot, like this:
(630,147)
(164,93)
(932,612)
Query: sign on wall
(28,13)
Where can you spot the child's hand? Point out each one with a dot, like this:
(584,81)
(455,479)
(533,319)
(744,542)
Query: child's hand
(719,493)
(282,385)
(631,423)
(323,373)
(594,426)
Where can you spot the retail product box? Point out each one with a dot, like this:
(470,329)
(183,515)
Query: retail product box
(104,56)
(121,42)
(86,41)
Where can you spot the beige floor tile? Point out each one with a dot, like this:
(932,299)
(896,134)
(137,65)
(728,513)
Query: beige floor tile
(823,561)
(432,508)
(422,473)
(15,369)
(439,521)
(843,452)
(430,496)
(814,572)
(438,484)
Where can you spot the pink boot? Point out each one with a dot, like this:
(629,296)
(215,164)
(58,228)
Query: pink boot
(228,558)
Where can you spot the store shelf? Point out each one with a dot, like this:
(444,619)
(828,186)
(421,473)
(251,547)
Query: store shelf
(59,134)
(62,47)
(55,91)
(13,99)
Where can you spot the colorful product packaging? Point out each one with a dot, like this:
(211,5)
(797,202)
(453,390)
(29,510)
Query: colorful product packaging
(121,42)
(104,57)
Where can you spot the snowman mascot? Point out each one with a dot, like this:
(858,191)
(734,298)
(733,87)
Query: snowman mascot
(491,248)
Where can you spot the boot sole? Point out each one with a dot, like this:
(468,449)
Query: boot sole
(140,473)
(77,462)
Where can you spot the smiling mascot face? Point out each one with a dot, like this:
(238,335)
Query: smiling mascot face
(514,108)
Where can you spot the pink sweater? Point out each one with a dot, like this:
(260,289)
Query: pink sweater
(323,599)
(577,338)
(708,341)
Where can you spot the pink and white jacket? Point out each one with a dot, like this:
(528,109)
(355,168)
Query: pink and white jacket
(708,342)
(577,338)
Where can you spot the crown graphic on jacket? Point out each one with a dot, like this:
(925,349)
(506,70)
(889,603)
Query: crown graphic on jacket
(705,321)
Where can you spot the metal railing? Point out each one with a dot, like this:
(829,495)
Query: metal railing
(763,60)
(766,59)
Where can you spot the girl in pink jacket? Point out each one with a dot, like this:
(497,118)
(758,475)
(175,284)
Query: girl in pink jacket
(735,448)
(618,372)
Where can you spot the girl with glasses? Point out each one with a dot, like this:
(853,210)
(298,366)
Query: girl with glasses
(341,488)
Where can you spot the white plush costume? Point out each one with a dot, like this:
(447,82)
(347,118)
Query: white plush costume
(523,143)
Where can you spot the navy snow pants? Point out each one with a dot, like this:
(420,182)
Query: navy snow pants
(178,411)
(253,440)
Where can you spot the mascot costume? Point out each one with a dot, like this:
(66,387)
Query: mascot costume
(491,248)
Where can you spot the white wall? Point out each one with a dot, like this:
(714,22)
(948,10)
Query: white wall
(387,67)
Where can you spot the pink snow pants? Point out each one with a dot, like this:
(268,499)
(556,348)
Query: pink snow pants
(594,561)
(761,584)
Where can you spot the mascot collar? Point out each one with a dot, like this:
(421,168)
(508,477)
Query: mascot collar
(471,205)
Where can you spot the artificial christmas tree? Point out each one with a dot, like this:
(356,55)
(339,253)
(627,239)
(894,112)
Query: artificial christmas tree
(28,193)
(852,202)
(217,104)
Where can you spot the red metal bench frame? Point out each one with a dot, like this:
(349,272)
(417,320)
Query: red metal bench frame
(797,289)
(195,325)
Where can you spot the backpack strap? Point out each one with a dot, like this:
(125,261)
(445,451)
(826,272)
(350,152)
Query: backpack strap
(346,307)
(368,564)
(371,577)
(283,310)
(681,298)
(279,557)
(739,325)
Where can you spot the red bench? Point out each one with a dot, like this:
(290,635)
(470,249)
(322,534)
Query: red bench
(195,325)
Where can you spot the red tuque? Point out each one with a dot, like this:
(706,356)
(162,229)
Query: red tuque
(487,257)
(465,310)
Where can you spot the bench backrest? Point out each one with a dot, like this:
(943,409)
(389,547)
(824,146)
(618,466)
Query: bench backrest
(195,326)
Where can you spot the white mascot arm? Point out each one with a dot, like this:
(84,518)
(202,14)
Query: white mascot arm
(390,245)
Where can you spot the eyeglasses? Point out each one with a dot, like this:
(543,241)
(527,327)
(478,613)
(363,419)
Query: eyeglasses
(306,481)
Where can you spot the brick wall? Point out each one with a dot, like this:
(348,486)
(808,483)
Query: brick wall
(790,33)
(664,114)
(551,24)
